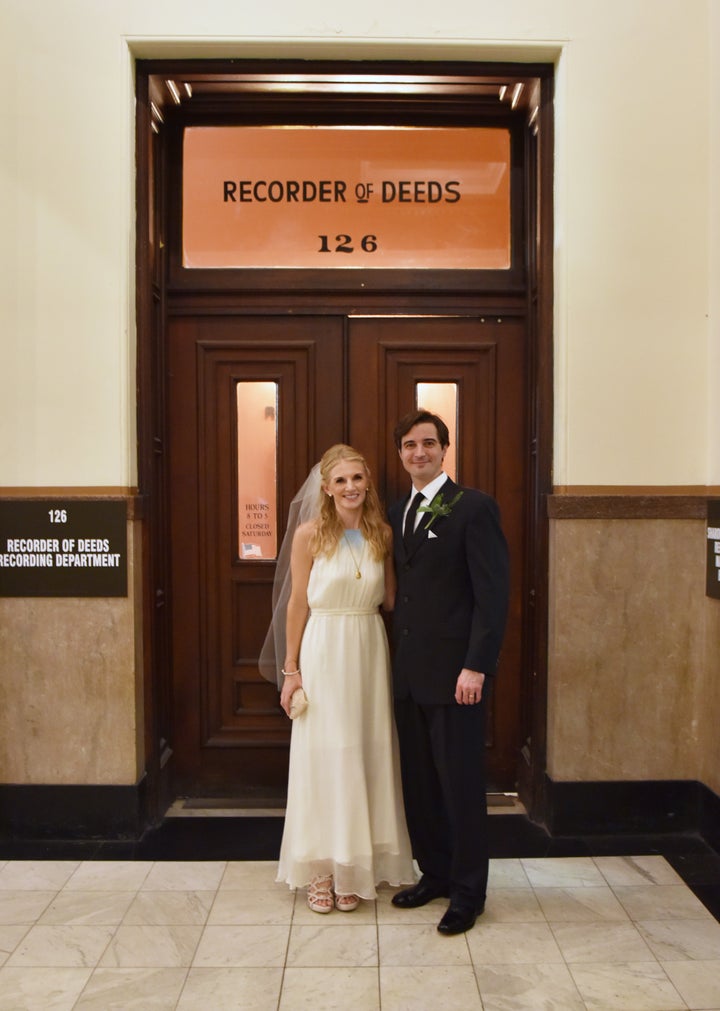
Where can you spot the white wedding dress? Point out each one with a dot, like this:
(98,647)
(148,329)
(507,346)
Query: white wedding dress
(345,810)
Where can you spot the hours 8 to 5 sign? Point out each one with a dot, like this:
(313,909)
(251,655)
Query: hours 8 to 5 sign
(369,197)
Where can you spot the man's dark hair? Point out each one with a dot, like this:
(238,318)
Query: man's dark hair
(421,417)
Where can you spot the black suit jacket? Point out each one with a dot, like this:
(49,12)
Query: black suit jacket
(452,596)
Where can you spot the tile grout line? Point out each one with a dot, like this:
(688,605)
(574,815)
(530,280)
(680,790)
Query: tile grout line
(287,950)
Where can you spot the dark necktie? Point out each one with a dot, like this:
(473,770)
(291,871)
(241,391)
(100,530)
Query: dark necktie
(409,528)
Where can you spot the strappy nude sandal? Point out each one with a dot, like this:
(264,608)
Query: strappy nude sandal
(347,903)
(319,895)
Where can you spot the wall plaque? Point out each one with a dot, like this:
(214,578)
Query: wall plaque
(63,548)
(713,549)
(347,197)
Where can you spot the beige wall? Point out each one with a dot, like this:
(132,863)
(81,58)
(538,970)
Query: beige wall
(632,186)
(637,248)
(709,715)
(70,702)
(634,657)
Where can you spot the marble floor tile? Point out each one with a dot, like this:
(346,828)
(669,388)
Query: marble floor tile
(698,983)
(236,906)
(250,875)
(563,872)
(343,946)
(231,989)
(512,905)
(87,908)
(36,875)
(416,988)
(678,940)
(242,947)
(182,876)
(42,989)
(528,988)
(420,944)
(499,943)
(164,908)
(109,876)
(327,989)
(67,946)
(160,947)
(363,915)
(132,990)
(10,937)
(640,870)
(507,873)
(600,942)
(633,986)
(580,905)
(661,902)
(23,906)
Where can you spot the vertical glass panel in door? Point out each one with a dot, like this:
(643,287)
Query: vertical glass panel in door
(442,399)
(257,440)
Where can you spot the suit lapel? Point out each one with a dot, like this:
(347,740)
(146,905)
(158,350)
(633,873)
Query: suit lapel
(399,528)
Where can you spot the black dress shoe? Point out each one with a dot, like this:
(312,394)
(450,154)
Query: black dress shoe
(419,895)
(459,918)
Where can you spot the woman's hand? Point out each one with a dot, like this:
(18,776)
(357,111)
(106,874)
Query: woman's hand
(291,683)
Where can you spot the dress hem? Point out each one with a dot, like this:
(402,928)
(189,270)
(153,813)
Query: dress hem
(368,898)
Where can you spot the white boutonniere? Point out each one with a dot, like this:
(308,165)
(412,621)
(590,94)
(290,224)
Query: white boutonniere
(438,508)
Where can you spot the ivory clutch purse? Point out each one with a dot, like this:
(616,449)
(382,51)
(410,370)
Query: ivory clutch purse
(298,703)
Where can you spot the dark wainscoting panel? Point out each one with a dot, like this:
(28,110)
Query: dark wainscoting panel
(632,807)
(73,812)
(115,817)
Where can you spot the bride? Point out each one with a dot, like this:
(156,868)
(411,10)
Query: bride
(344,826)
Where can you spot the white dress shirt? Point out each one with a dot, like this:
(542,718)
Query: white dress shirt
(428,492)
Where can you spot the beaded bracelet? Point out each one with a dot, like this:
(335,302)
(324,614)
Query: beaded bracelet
(289,673)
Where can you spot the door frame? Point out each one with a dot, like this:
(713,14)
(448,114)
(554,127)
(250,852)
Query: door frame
(153,272)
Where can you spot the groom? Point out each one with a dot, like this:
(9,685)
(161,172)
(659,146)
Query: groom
(450,610)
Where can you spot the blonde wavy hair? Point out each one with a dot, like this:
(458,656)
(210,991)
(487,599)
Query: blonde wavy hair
(329,528)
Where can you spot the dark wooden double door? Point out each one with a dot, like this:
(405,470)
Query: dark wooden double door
(338,378)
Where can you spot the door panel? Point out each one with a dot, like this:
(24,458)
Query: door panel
(230,737)
(229,734)
(485,357)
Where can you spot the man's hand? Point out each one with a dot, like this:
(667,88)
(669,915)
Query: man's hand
(468,690)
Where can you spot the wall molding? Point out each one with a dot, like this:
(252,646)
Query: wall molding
(605,503)
(135,501)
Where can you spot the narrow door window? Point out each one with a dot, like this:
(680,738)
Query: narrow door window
(443,399)
(257,438)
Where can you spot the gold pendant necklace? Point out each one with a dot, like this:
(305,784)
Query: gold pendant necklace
(358,573)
